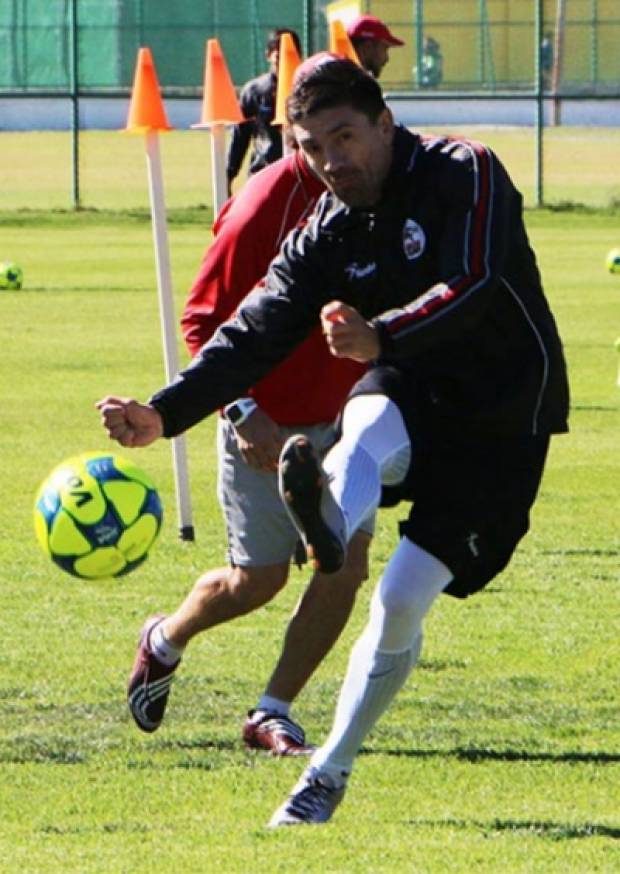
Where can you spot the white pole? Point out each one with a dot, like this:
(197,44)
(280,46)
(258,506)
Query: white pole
(287,148)
(218,167)
(167,318)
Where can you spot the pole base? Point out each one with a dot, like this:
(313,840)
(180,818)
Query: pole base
(186,532)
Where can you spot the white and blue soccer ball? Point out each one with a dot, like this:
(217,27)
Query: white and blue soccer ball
(612,261)
(97,515)
(11,275)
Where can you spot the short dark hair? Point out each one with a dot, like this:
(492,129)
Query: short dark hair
(334,82)
(273,40)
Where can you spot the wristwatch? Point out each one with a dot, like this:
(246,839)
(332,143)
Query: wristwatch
(239,410)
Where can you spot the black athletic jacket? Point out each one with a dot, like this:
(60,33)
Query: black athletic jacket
(444,270)
(258,104)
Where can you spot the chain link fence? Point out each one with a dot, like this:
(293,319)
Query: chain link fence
(69,64)
(481,44)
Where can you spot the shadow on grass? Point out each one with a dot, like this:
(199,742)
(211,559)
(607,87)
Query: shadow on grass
(597,408)
(474,755)
(198,743)
(556,831)
(39,751)
(608,553)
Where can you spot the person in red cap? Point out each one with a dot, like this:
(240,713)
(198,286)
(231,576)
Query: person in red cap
(372,40)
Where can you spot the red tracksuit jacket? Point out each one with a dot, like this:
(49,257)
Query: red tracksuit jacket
(311,385)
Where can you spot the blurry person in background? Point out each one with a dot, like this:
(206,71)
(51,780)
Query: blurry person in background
(546,59)
(258,105)
(372,41)
(430,74)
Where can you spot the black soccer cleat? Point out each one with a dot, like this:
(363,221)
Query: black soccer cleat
(312,801)
(303,490)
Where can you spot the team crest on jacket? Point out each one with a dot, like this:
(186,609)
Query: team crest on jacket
(414,240)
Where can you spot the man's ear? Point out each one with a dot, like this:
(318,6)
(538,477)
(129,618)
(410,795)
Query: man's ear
(385,123)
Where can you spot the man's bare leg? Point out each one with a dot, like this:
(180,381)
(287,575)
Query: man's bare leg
(221,595)
(318,620)
(218,596)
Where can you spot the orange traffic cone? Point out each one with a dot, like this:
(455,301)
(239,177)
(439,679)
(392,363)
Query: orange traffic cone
(146,109)
(219,101)
(288,62)
(339,42)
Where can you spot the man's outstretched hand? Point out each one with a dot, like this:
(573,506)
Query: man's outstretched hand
(129,422)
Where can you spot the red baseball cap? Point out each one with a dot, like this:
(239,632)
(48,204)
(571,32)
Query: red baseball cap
(370,27)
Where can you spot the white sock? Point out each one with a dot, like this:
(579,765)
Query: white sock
(161,647)
(268,704)
(355,484)
(372,681)
(374,449)
(384,655)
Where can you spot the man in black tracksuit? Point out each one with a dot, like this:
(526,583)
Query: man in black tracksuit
(416,261)
(258,105)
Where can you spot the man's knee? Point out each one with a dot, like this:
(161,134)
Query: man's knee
(249,587)
(354,571)
(254,586)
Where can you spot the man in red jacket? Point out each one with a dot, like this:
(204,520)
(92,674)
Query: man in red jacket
(304,393)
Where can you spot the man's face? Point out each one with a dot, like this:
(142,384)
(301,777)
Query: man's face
(350,153)
(373,55)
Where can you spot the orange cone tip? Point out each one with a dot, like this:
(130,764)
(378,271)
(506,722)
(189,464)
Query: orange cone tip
(219,100)
(146,109)
(288,62)
(339,42)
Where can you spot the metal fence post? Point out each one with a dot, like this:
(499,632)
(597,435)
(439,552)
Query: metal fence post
(540,105)
(307,28)
(75,105)
(419,39)
(594,43)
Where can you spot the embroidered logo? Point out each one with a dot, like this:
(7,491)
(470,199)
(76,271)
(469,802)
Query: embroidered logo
(359,271)
(414,240)
(471,541)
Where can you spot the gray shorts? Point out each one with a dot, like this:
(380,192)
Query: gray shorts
(258,528)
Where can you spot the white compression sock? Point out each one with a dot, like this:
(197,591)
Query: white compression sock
(374,449)
(384,655)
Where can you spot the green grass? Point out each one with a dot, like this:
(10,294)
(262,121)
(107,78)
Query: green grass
(35,171)
(502,754)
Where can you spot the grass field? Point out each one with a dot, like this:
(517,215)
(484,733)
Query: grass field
(580,165)
(502,754)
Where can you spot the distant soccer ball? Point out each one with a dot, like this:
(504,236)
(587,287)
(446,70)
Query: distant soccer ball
(613,261)
(11,275)
(97,515)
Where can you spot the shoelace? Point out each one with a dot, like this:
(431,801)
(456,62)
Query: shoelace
(312,799)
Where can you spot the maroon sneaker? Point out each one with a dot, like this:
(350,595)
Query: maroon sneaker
(275,733)
(149,683)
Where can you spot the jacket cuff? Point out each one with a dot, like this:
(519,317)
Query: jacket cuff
(170,427)
(386,341)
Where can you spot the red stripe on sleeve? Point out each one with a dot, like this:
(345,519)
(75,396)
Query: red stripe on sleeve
(475,255)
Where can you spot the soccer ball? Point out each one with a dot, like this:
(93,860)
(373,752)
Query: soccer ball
(11,275)
(97,515)
(613,261)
